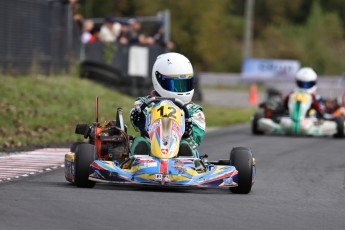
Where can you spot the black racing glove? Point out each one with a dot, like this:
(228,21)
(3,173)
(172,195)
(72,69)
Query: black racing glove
(138,117)
(188,129)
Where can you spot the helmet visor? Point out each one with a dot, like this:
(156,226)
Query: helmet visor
(176,83)
(306,84)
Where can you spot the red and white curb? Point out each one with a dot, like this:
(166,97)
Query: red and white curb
(25,164)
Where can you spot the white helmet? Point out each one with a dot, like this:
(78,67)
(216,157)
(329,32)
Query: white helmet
(172,76)
(306,79)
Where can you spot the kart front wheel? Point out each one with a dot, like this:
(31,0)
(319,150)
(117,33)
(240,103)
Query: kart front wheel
(74,145)
(242,159)
(84,156)
(255,126)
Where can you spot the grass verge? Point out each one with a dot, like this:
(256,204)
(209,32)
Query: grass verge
(45,110)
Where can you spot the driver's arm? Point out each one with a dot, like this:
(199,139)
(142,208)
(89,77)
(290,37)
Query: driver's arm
(198,121)
(316,105)
(137,116)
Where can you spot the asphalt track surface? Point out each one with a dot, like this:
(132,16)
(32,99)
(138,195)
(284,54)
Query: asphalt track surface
(299,185)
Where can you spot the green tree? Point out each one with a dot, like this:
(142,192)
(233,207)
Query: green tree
(323,42)
(219,38)
(102,8)
(318,43)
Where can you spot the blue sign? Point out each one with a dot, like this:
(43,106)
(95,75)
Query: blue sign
(267,68)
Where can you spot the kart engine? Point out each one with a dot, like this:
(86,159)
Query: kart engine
(109,138)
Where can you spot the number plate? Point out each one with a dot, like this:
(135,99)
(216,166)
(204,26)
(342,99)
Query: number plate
(169,111)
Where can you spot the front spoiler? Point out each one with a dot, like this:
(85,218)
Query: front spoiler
(306,127)
(133,184)
(164,172)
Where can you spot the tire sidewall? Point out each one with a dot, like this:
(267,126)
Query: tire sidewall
(340,127)
(84,156)
(255,121)
(75,145)
(242,159)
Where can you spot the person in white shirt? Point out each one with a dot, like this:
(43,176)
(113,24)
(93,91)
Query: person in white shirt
(110,30)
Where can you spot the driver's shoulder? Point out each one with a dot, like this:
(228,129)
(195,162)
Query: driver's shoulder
(194,107)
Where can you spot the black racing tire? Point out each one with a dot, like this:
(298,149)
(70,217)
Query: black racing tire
(242,159)
(84,156)
(340,127)
(74,145)
(255,127)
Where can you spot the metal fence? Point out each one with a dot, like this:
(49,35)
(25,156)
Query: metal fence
(37,36)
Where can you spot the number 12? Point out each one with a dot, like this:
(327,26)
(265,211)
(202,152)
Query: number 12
(171,114)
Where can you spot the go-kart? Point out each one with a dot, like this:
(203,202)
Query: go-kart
(299,119)
(107,158)
(273,107)
(335,106)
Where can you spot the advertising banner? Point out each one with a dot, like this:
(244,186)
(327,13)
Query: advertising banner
(268,68)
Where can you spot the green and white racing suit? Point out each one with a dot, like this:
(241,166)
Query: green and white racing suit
(198,126)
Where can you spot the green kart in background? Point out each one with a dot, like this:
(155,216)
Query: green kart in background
(298,120)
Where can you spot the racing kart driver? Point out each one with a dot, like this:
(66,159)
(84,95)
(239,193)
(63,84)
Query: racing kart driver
(172,77)
(306,80)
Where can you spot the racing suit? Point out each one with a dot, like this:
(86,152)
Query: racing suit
(316,105)
(191,141)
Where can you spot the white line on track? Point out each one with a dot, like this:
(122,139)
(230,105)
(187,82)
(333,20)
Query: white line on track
(30,163)
(2,169)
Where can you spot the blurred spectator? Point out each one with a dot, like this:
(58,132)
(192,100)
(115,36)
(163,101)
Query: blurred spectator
(95,34)
(134,34)
(87,27)
(158,36)
(110,30)
(123,36)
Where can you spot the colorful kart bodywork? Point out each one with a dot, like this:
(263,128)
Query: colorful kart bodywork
(164,164)
(155,171)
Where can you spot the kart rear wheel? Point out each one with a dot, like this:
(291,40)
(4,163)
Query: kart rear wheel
(242,159)
(340,127)
(84,156)
(255,125)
